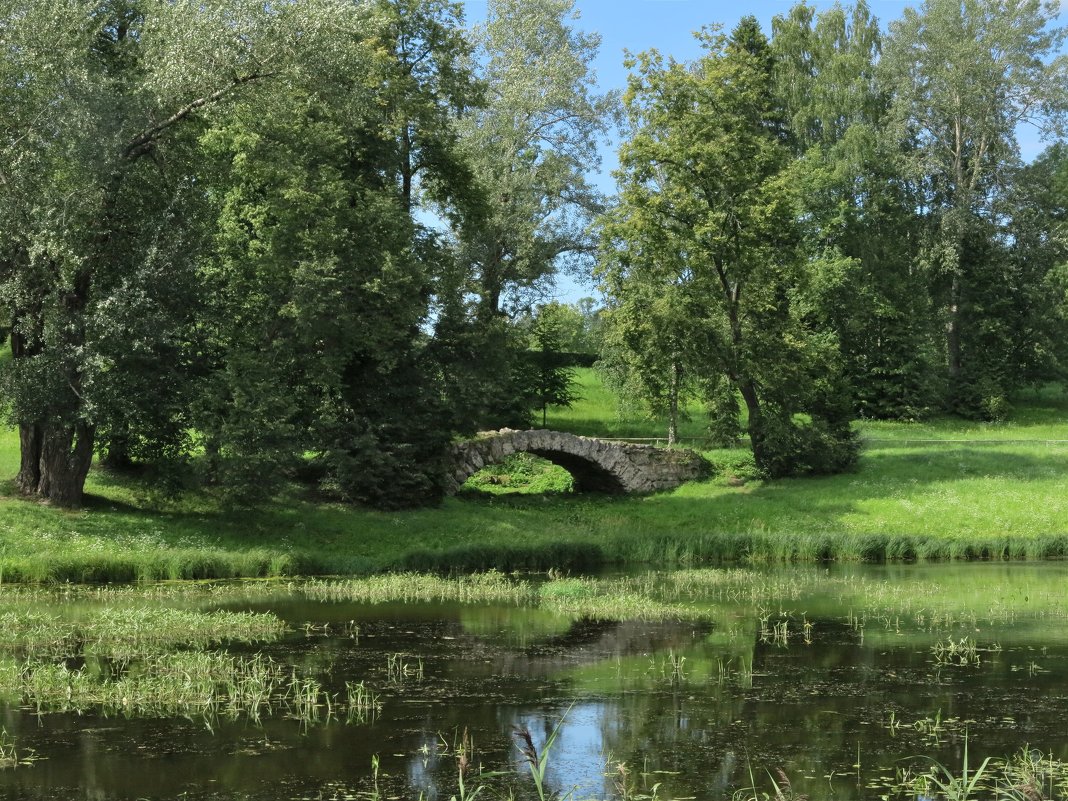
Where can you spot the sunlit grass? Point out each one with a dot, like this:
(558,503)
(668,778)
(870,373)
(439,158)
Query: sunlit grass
(946,501)
(598,413)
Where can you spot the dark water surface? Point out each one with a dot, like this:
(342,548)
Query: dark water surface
(839,678)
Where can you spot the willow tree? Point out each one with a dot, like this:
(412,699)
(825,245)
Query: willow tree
(100,101)
(270,153)
(708,213)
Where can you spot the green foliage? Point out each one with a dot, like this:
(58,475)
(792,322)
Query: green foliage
(815,447)
(724,415)
(522,473)
(862,233)
(553,380)
(963,77)
(993,497)
(531,145)
(577,327)
(100,217)
(703,265)
(318,291)
(215,260)
(734,465)
(1035,269)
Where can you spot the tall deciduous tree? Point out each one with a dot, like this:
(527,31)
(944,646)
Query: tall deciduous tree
(862,228)
(1038,268)
(707,210)
(321,286)
(99,102)
(531,145)
(965,74)
(647,352)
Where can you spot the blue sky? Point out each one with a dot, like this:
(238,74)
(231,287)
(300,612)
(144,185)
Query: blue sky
(668,26)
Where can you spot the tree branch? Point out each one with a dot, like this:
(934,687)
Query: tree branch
(142,143)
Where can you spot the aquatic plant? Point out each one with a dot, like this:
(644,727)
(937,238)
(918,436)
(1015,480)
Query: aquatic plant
(361,703)
(626,787)
(537,762)
(401,668)
(125,632)
(953,786)
(184,683)
(10,756)
(956,652)
(488,587)
(782,789)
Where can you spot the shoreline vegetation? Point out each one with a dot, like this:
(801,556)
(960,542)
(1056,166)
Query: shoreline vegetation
(955,501)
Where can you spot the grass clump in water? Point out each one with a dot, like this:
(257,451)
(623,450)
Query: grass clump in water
(488,587)
(12,757)
(127,632)
(204,684)
(577,597)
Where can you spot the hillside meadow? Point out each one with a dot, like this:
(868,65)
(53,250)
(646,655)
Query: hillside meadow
(981,491)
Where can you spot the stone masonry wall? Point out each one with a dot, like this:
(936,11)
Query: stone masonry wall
(595,464)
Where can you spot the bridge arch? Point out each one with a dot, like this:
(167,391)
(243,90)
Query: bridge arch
(596,465)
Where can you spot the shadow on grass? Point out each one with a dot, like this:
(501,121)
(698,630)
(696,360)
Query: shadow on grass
(810,519)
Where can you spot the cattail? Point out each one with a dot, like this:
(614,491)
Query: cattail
(526,744)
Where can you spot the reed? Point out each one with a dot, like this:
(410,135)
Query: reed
(956,652)
(362,704)
(489,587)
(402,669)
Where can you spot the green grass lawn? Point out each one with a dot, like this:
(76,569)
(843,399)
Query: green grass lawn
(944,501)
(1038,415)
(597,414)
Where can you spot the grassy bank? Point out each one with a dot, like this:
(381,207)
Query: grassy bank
(945,501)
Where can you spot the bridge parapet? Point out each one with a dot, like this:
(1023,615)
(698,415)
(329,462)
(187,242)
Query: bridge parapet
(596,465)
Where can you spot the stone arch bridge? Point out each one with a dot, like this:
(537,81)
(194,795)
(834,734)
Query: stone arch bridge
(596,465)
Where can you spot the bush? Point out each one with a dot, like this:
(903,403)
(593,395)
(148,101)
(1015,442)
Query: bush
(794,448)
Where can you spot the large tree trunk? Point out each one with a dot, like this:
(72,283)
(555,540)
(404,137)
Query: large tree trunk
(30,441)
(66,454)
(756,422)
(55,462)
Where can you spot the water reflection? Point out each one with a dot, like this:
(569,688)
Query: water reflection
(833,678)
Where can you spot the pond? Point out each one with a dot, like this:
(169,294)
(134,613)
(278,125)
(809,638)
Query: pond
(851,682)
